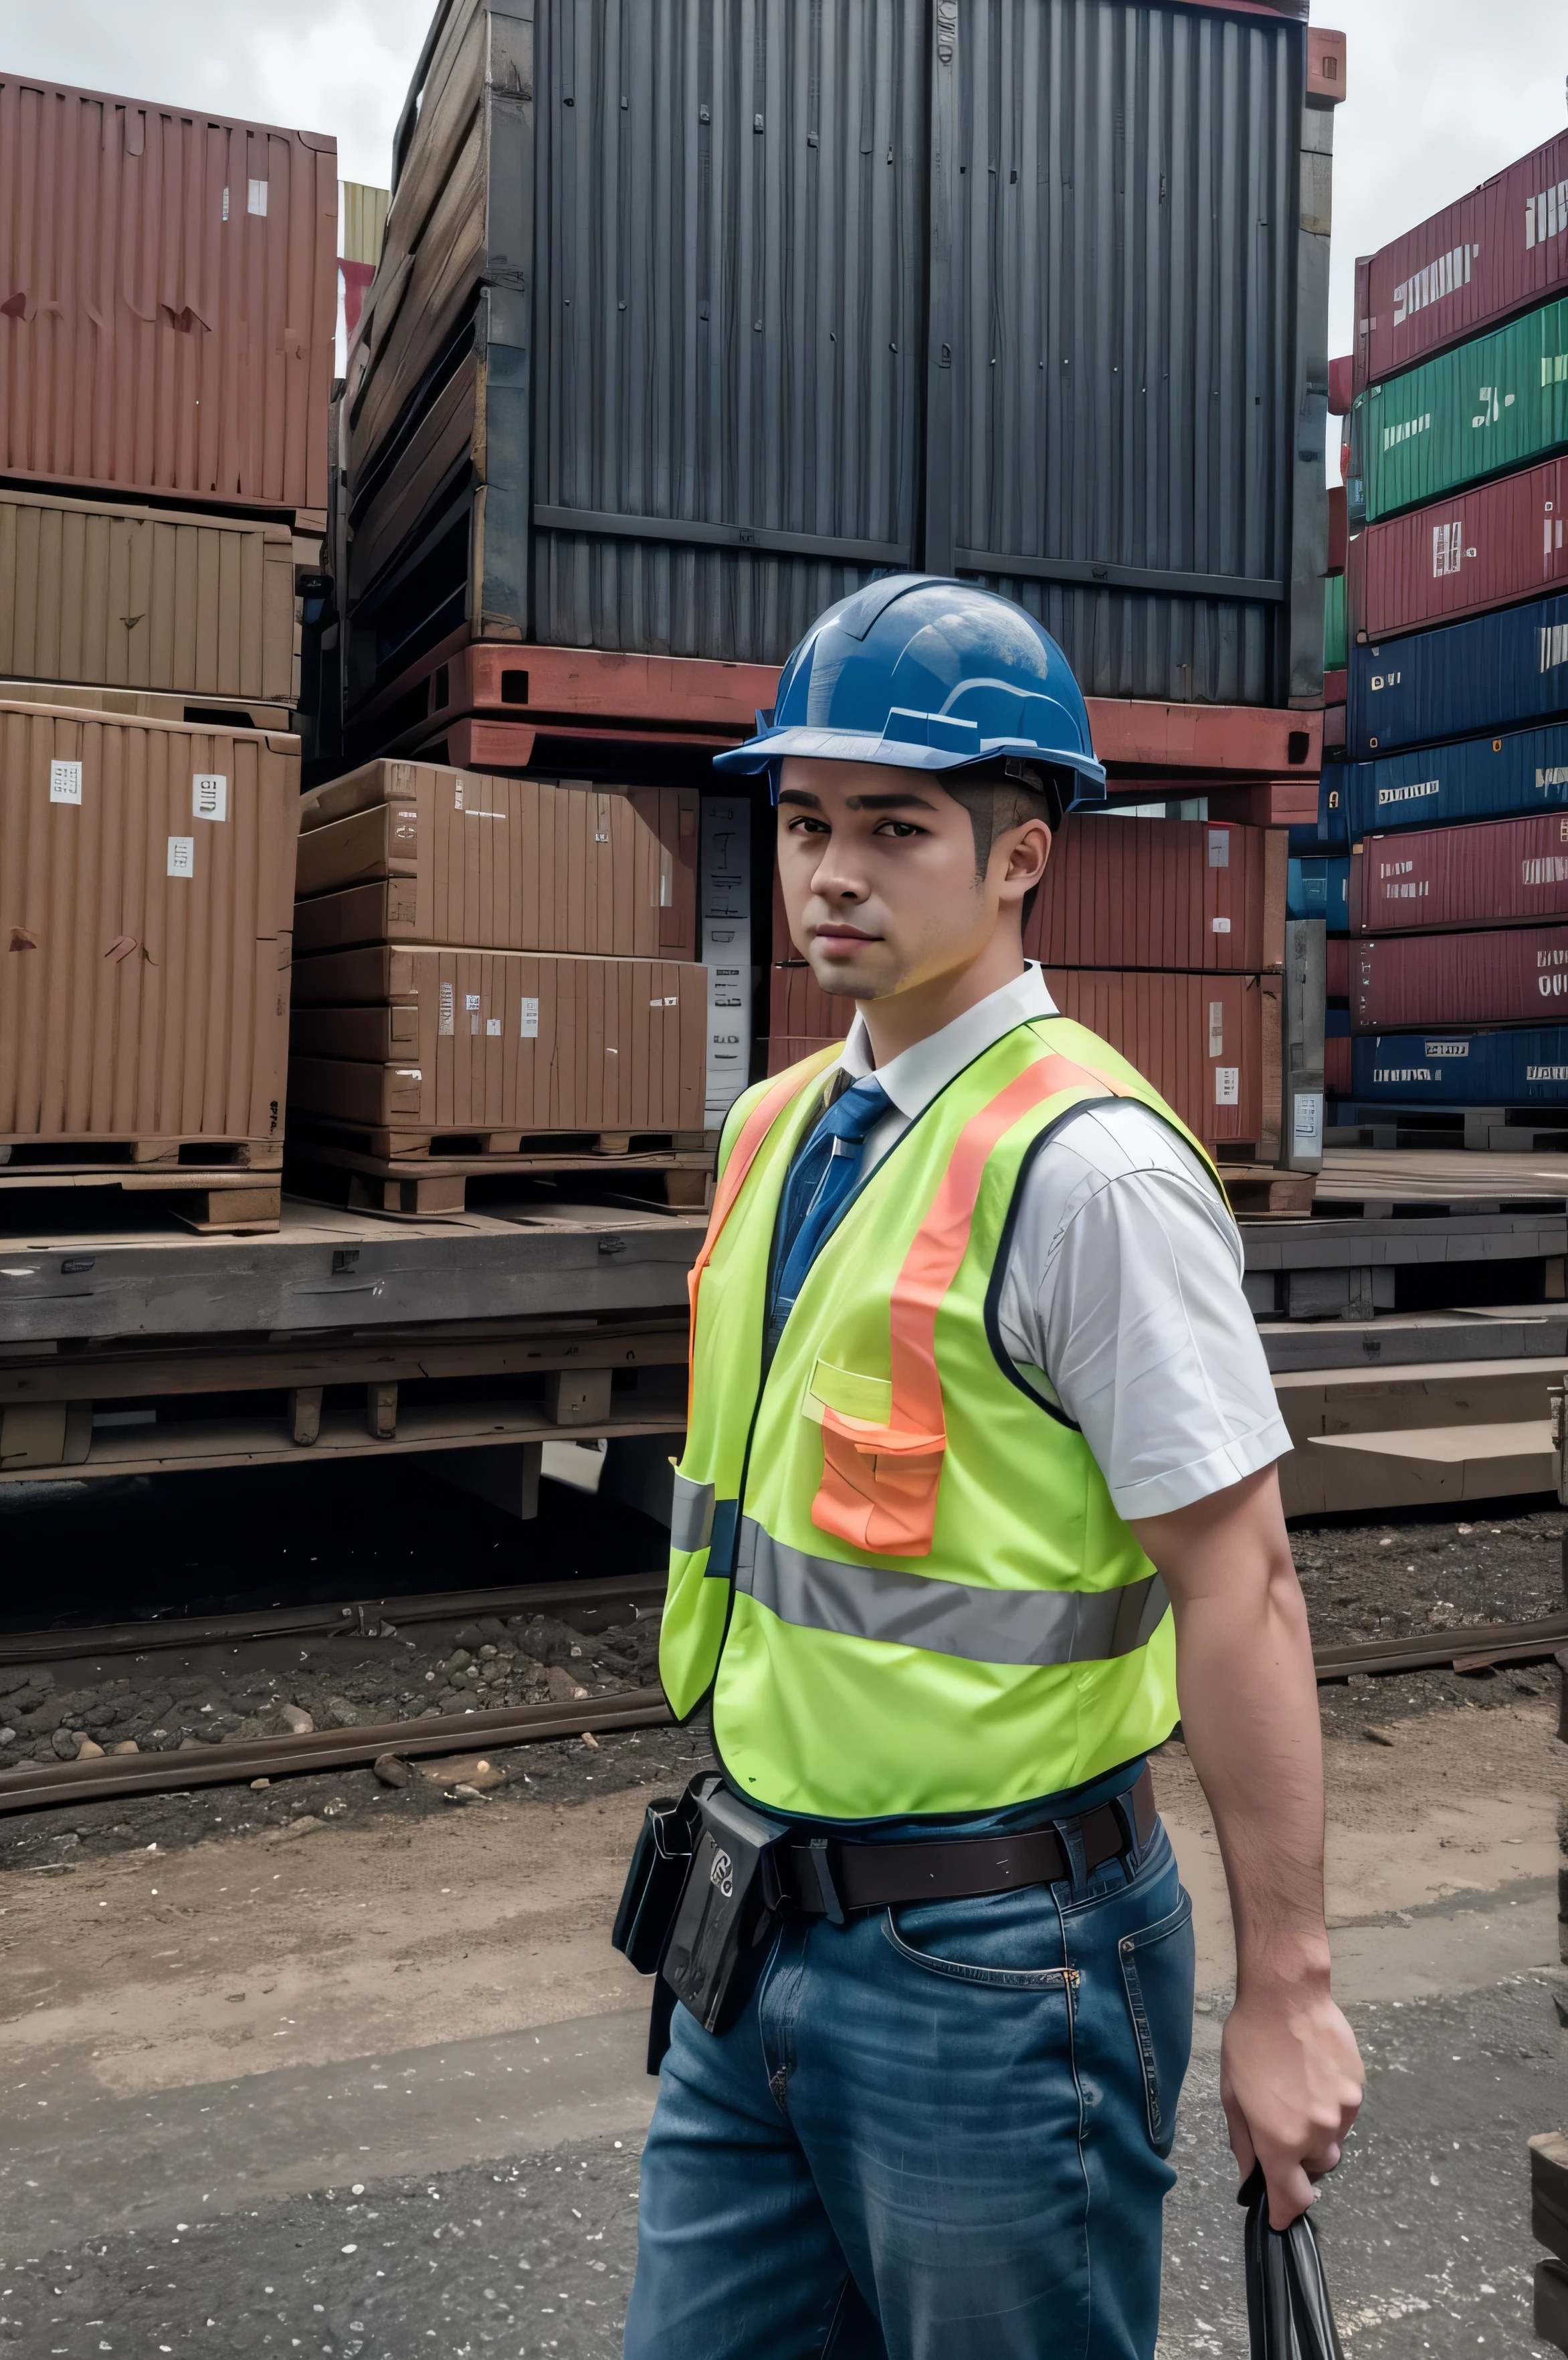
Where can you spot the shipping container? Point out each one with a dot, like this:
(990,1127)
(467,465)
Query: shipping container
(685,326)
(1523,771)
(1490,546)
(1496,403)
(404,852)
(151,705)
(1337,1065)
(472,1041)
(1318,887)
(1335,731)
(1504,872)
(1461,1067)
(147,887)
(1336,968)
(1164,893)
(1491,673)
(1209,1044)
(1338,529)
(1499,249)
(1330,832)
(172,298)
(139,598)
(1515,975)
(1334,638)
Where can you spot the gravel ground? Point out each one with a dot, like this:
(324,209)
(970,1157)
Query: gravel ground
(1425,2232)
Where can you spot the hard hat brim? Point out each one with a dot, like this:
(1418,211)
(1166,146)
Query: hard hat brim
(768,748)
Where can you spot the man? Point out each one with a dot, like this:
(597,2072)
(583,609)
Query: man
(980,1470)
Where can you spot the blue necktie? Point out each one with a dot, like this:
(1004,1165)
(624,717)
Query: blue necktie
(822,1176)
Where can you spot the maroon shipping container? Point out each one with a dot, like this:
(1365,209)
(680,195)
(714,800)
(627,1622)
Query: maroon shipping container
(1336,1068)
(1497,872)
(169,302)
(1334,730)
(1514,976)
(1336,968)
(1500,249)
(1339,529)
(1481,548)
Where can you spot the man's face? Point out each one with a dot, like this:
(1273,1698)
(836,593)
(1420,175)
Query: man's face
(878,868)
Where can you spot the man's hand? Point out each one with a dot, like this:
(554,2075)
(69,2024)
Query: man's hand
(1290,2083)
(1290,2076)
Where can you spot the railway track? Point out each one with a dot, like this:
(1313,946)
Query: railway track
(591,1606)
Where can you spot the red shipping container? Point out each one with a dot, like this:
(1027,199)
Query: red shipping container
(168,298)
(1339,529)
(1500,249)
(1409,982)
(1336,1067)
(1497,872)
(1336,686)
(1334,731)
(1336,968)
(1485,547)
(1172,894)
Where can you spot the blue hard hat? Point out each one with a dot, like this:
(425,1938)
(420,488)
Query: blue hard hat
(925,673)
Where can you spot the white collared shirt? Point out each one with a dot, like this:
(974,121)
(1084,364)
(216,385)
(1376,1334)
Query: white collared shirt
(1122,1283)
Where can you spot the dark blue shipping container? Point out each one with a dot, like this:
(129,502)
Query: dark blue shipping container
(1331,832)
(1489,673)
(1320,887)
(1336,1024)
(1462,1069)
(1481,778)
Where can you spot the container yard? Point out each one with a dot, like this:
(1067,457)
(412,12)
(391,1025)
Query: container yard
(388,571)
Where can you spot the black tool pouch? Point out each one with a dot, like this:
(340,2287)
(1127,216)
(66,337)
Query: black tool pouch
(656,1878)
(727,1911)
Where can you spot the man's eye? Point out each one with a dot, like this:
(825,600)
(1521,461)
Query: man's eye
(805,825)
(898,827)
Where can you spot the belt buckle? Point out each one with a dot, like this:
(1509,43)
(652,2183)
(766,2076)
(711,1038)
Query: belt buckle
(822,1873)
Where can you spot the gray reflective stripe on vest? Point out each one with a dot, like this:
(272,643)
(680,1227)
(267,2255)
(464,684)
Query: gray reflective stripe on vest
(949,1618)
(691,1514)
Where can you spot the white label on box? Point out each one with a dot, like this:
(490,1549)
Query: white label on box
(673,1002)
(65,782)
(470,1001)
(1221,925)
(1309,1120)
(725,934)
(493,1027)
(256,198)
(1227,1086)
(530,1020)
(1216,1028)
(181,855)
(1219,847)
(448,1023)
(457,794)
(208,795)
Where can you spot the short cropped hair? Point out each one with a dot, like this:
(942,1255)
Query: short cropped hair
(1003,794)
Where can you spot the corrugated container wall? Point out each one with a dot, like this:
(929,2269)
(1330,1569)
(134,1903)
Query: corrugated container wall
(1460,1068)
(684,324)
(1496,403)
(1522,772)
(1478,549)
(138,598)
(171,298)
(1512,872)
(147,878)
(1515,975)
(1490,674)
(1162,894)
(1495,250)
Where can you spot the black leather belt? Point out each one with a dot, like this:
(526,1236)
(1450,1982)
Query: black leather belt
(826,1878)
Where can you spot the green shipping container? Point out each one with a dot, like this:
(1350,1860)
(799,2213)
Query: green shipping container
(1336,640)
(1487,407)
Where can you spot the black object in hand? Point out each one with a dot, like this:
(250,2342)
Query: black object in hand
(1289,2312)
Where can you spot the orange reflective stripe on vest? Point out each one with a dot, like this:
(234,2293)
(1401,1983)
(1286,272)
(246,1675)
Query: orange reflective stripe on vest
(879,1482)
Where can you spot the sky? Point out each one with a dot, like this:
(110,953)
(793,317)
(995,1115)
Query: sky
(1442,92)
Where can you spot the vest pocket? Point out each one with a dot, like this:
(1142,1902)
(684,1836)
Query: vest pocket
(691,1514)
(1158,1969)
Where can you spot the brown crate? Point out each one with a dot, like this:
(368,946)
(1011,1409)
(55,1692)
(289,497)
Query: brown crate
(619,1044)
(136,597)
(152,705)
(160,332)
(1169,894)
(407,852)
(136,1004)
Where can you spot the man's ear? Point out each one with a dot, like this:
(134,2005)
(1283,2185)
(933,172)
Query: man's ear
(1023,853)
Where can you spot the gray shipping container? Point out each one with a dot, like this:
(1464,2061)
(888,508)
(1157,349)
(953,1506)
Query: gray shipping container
(694,314)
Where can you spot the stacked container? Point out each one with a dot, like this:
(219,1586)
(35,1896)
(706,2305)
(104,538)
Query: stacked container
(166,351)
(1457,613)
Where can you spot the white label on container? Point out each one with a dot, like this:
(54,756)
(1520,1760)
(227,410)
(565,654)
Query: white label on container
(1227,1084)
(1216,1028)
(530,1020)
(457,795)
(256,198)
(470,1001)
(493,1027)
(1308,1120)
(1221,925)
(664,888)
(673,1002)
(226,204)
(1219,847)
(208,795)
(181,855)
(448,1022)
(65,782)
(474,1028)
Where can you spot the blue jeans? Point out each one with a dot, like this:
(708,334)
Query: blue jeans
(937,2133)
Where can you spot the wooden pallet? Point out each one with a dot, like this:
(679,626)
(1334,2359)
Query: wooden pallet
(1261,1188)
(88,1152)
(428,1172)
(228,1202)
(1439,1179)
